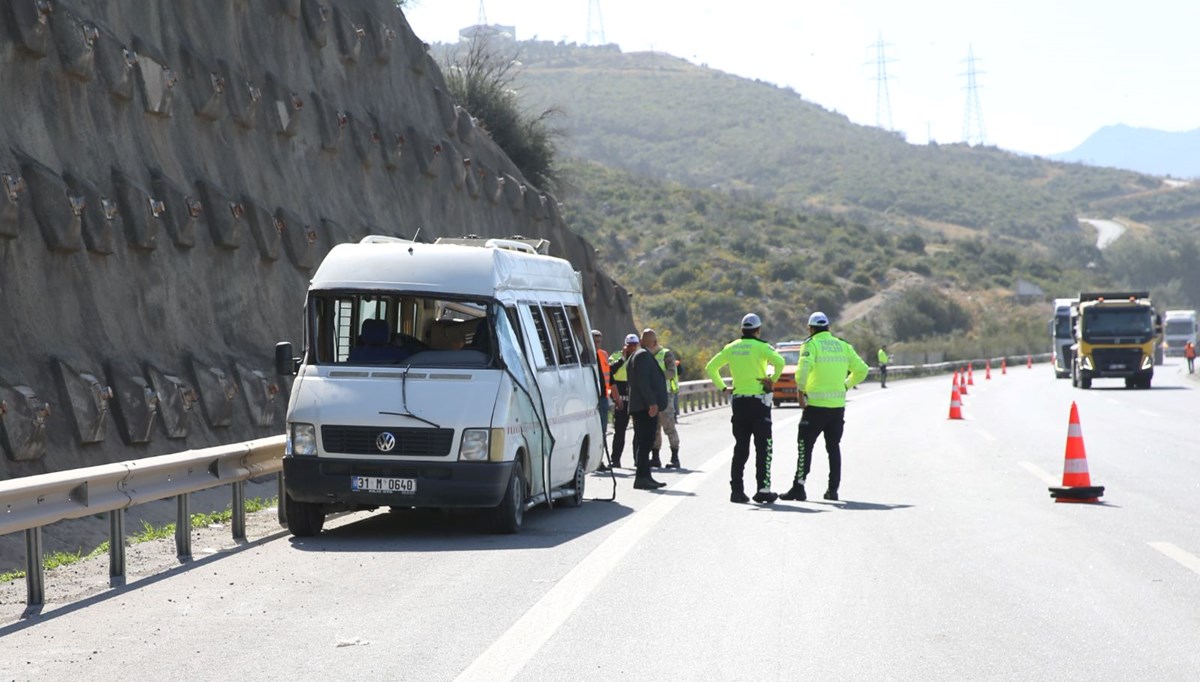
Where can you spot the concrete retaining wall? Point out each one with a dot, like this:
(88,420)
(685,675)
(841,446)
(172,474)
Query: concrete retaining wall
(170,175)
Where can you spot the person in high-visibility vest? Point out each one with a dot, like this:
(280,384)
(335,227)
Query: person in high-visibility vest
(748,358)
(666,418)
(620,396)
(883,363)
(828,366)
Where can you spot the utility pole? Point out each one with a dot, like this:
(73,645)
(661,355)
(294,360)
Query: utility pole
(973,117)
(883,101)
(595,24)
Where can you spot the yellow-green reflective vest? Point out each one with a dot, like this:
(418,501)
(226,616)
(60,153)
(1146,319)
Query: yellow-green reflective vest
(672,374)
(883,357)
(825,362)
(747,358)
(619,374)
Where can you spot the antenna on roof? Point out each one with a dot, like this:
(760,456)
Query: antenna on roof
(416,234)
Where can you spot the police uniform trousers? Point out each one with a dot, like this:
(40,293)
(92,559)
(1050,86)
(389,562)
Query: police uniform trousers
(817,421)
(620,424)
(751,419)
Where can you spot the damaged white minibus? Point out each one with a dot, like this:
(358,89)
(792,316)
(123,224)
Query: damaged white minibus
(440,375)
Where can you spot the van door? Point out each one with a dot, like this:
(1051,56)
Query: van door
(533,417)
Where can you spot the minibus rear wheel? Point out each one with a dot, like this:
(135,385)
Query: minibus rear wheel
(511,512)
(304,519)
(580,480)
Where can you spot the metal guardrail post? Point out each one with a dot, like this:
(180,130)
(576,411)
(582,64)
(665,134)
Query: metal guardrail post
(35,567)
(238,507)
(183,527)
(116,543)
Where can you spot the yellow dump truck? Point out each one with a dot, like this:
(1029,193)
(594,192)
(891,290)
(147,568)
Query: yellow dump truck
(1117,335)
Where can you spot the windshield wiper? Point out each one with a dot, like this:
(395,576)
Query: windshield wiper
(404,398)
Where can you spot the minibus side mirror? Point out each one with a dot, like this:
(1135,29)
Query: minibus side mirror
(285,364)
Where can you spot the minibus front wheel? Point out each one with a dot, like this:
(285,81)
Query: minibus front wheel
(304,519)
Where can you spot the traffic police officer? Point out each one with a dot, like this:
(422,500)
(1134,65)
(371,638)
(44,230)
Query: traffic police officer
(882,356)
(828,366)
(620,395)
(748,358)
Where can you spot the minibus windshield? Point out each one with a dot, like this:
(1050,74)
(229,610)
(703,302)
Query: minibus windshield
(394,328)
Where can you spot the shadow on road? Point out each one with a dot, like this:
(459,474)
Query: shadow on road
(456,530)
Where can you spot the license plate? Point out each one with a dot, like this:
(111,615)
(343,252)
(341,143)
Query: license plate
(377,484)
(1118,365)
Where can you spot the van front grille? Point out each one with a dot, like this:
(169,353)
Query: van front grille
(364,440)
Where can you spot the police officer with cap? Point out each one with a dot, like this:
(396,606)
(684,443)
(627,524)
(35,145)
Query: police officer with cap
(748,358)
(828,366)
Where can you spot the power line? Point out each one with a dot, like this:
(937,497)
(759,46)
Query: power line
(595,24)
(883,100)
(973,116)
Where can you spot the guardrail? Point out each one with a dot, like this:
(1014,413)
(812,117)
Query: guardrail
(31,502)
(695,396)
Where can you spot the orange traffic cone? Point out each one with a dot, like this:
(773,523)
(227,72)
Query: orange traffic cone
(955,405)
(1004,365)
(971,374)
(1029,361)
(1077,483)
(987,370)
(962,383)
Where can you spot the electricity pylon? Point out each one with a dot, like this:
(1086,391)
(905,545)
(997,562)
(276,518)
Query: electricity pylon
(595,24)
(973,117)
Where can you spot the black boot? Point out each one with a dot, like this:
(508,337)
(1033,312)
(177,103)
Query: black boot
(765,497)
(738,496)
(655,462)
(795,494)
(674,459)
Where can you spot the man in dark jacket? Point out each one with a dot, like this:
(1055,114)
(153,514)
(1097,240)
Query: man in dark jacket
(647,397)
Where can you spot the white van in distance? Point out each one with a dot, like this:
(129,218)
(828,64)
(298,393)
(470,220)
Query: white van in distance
(440,375)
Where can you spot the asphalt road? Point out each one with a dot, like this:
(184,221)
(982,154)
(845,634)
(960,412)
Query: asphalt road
(946,559)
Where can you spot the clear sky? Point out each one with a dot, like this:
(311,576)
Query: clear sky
(1049,72)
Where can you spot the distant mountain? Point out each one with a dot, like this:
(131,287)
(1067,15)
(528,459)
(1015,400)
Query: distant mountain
(1155,152)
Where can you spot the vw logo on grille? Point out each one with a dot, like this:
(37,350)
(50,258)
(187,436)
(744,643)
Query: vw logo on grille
(385,442)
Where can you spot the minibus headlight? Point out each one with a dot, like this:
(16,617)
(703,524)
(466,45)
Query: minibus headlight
(1147,362)
(474,445)
(1087,362)
(303,439)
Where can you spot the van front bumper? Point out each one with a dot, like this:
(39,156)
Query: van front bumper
(438,484)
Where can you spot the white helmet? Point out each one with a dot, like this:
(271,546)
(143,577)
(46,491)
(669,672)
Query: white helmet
(751,321)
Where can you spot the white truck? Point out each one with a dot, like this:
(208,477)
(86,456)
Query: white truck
(440,375)
(1062,337)
(1179,327)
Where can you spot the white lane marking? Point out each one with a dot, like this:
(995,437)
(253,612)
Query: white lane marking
(1110,401)
(505,658)
(1148,413)
(1189,561)
(1040,473)
(987,435)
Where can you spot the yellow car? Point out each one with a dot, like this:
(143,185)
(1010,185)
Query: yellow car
(785,388)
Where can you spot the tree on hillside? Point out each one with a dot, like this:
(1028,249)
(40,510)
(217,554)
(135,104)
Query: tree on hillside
(481,81)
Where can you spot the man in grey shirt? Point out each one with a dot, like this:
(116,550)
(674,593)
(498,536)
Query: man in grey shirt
(647,397)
